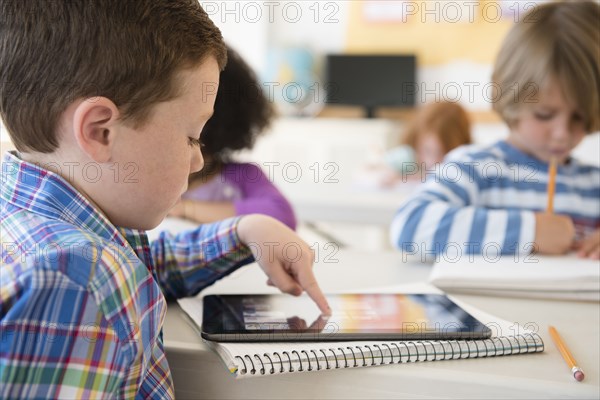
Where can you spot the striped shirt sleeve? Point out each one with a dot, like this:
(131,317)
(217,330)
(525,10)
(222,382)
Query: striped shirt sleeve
(445,215)
(190,261)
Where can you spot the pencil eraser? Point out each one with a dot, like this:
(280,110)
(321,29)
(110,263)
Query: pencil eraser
(578,376)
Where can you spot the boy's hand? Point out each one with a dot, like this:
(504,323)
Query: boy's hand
(554,233)
(589,247)
(286,259)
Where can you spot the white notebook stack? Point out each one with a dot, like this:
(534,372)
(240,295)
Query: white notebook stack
(532,276)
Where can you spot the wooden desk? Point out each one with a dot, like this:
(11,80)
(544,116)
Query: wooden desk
(198,373)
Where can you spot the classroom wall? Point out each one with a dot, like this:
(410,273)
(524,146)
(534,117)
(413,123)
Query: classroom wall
(4,138)
(244,27)
(455,41)
(438,32)
(3,133)
(322,28)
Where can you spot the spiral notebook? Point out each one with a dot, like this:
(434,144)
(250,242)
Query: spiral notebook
(245,360)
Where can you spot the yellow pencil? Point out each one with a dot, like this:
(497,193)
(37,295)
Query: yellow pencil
(566,354)
(551,185)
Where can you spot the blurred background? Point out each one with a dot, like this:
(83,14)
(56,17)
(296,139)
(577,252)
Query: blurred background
(346,77)
(319,145)
(454,42)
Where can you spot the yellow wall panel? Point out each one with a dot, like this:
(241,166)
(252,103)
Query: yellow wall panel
(477,39)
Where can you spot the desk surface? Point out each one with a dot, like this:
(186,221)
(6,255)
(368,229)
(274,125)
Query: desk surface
(198,373)
(344,202)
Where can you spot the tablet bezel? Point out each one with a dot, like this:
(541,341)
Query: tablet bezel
(214,307)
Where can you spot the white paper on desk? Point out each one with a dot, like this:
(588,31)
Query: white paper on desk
(565,277)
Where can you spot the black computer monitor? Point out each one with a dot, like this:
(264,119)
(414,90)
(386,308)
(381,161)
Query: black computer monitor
(371,81)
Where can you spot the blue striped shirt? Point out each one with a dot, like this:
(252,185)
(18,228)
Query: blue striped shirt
(483,200)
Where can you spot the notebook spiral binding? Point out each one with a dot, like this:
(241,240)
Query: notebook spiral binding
(386,353)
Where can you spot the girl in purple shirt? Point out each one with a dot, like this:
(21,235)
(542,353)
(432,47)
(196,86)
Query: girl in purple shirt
(225,188)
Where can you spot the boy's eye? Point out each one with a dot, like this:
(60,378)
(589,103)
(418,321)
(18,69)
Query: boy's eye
(543,116)
(193,142)
(577,118)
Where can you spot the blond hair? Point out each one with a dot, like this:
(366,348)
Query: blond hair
(448,121)
(558,42)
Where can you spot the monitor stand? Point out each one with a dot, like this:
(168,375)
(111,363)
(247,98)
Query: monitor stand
(369,112)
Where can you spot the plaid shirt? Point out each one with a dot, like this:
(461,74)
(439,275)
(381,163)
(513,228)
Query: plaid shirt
(81,306)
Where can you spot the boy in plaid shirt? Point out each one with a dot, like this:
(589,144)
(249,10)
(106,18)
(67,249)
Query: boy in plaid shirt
(93,95)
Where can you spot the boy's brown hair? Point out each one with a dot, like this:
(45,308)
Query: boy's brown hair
(55,52)
(446,120)
(553,41)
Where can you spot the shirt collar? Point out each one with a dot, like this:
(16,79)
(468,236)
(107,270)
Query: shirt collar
(521,157)
(46,193)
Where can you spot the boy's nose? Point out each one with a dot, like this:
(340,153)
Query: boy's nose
(197,162)
(561,131)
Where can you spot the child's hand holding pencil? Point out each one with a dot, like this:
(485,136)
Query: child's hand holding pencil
(554,234)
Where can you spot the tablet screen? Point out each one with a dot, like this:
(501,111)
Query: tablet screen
(354,317)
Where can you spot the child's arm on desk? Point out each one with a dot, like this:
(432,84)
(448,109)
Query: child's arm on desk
(453,212)
(192,260)
(260,196)
(477,214)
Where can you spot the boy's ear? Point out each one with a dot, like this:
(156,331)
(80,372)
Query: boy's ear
(95,126)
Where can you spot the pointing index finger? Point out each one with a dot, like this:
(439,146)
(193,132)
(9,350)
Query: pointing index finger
(308,282)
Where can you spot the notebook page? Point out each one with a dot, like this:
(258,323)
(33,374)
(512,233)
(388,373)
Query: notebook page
(535,272)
